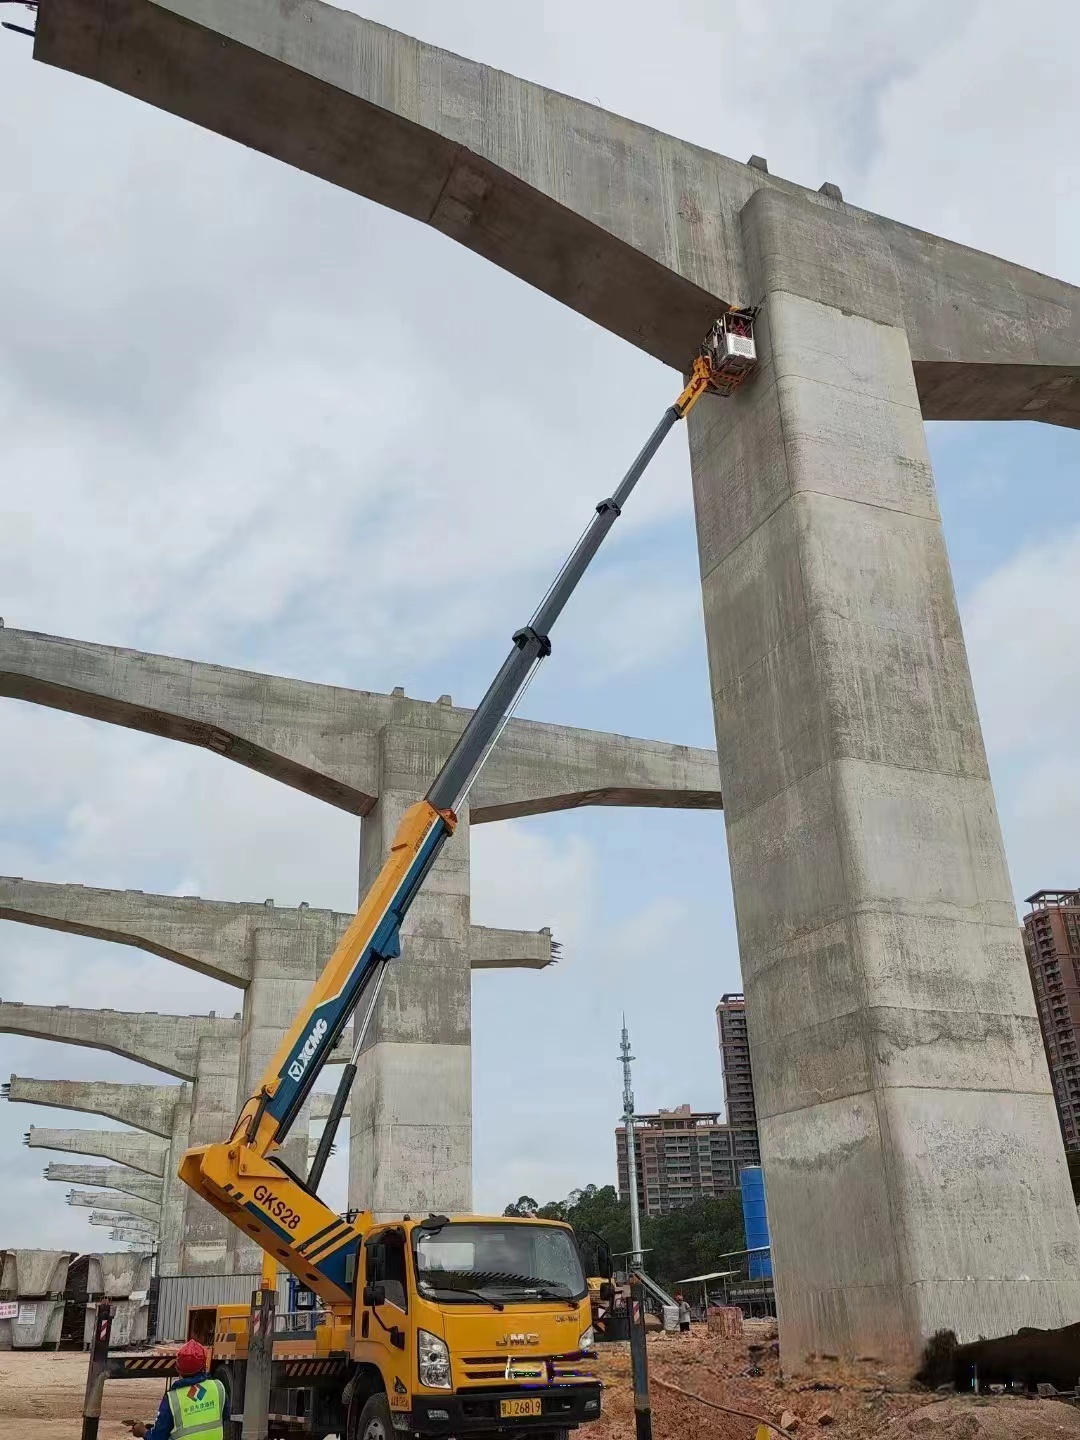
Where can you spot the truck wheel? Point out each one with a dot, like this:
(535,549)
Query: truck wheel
(375,1422)
(222,1373)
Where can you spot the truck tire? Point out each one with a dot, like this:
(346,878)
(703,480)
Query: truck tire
(224,1374)
(375,1422)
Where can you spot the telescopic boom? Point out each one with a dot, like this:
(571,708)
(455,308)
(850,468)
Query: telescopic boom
(240,1177)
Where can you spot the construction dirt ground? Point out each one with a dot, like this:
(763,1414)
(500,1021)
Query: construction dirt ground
(41,1399)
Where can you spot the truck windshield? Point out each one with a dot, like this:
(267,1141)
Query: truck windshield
(494,1261)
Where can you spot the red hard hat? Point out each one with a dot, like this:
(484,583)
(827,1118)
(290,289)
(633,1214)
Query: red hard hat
(191,1359)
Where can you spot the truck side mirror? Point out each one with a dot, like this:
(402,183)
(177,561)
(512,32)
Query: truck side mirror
(375,1294)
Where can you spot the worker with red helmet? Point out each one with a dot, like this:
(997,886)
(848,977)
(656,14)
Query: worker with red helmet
(193,1404)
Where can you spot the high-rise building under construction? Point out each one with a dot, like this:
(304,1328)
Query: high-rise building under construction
(735,1062)
(1052,943)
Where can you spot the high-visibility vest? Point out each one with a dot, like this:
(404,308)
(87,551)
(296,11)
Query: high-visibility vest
(198,1409)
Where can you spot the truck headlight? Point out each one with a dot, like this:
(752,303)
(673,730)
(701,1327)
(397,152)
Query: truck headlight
(586,1339)
(434,1361)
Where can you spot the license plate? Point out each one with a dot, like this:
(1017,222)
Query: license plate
(515,1409)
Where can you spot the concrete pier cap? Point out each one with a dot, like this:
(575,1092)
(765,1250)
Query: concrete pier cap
(37,1279)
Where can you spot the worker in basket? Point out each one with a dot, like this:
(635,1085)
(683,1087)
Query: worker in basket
(193,1405)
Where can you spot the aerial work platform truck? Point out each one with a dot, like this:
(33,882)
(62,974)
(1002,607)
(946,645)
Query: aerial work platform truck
(429,1325)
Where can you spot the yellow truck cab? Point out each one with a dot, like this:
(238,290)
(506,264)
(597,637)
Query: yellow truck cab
(465,1326)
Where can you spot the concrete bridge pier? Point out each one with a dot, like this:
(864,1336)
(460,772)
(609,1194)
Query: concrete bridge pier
(275,952)
(899,1069)
(162,1110)
(200,1049)
(411,1131)
(369,754)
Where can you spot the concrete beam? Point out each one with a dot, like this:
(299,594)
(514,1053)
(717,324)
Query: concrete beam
(167,1042)
(122,1204)
(127,1234)
(143,1107)
(494,949)
(159,924)
(219,938)
(320,1105)
(636,230)
(107,1177)
(329,742)
(143,1228)
(142,1152)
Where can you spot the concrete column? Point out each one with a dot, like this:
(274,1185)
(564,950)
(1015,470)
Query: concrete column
(142,1152)
(914,1174)
(285,966)
(122,1204)
(163,1110)
(208,1236)
(172,1259)
(202,1048)
(411,1129)
(107,1177)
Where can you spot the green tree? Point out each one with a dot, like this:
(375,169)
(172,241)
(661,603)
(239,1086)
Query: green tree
(692,1239)
(523,1208)
(689,1241)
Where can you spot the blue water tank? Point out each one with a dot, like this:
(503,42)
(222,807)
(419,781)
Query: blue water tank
(752,1184)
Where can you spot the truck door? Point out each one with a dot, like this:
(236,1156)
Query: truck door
(384,1322)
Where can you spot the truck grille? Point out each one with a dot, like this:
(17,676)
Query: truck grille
(527,1369)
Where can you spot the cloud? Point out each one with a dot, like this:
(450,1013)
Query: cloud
(547,1086)
(124,811)
(1022,624)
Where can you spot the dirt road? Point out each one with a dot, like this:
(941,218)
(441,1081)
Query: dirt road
(41,1399)
(41,1396)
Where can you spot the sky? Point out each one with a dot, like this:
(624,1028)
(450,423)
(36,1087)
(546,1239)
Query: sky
(216,442)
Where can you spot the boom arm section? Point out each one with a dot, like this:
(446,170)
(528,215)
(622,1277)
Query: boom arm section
(241,1177)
